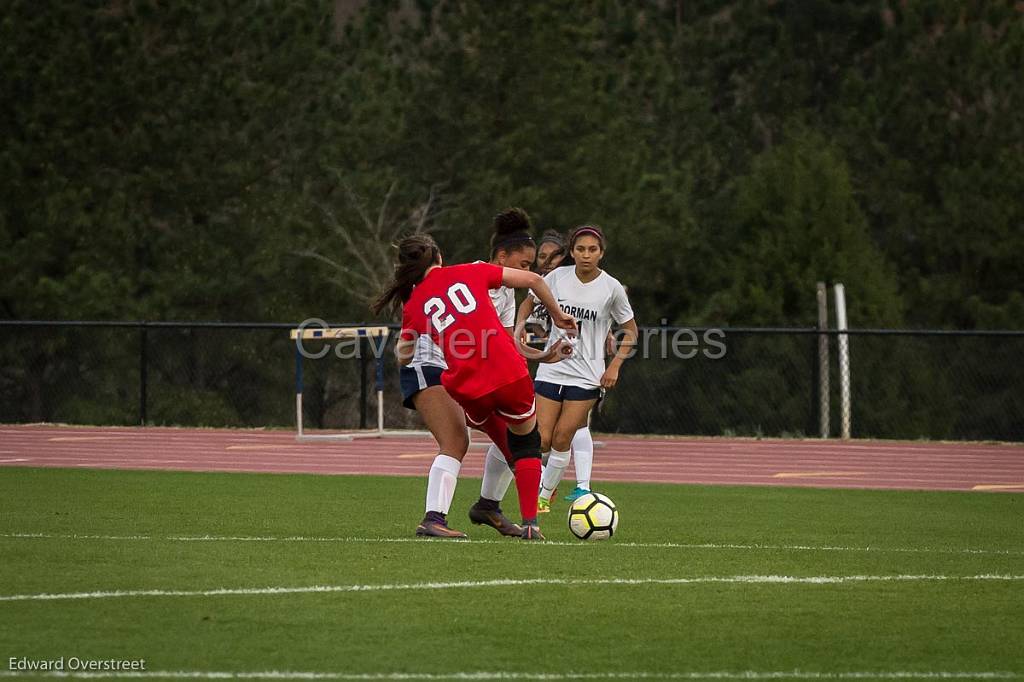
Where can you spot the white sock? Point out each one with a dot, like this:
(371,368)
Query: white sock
(583,455)
(552,474)
(497,475)
(444,474)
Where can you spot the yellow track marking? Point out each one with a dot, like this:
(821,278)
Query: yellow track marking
(1002,486)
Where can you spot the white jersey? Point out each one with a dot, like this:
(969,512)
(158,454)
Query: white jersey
(429,353)
(504,300)
(595,305)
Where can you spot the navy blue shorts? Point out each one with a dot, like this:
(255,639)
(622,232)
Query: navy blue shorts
(559,392)
(415,379)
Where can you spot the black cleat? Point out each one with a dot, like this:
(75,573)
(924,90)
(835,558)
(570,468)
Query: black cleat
(531,532)
(495,519)
(434,525)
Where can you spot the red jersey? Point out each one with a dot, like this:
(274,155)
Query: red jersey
(453,306)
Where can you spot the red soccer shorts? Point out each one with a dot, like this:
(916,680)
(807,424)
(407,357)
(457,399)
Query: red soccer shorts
(512,402)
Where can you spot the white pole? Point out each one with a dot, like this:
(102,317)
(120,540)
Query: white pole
(823,388)
(380,411)
(298,414)
(844,361)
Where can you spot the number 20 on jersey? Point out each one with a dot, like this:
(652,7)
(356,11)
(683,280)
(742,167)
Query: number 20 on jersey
(459,297)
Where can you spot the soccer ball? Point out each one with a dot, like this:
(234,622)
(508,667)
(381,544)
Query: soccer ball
(593,517)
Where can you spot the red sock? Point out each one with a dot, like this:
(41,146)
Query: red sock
(527,473)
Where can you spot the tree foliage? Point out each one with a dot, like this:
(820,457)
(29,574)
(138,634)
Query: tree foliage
(172,160)
(230,161)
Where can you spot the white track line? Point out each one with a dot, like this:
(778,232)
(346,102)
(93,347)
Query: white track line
(510,582)
(422,541)
(485,675)
(355,451)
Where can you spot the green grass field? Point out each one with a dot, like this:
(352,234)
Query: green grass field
(138,530)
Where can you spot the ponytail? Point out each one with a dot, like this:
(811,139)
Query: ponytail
(416,253)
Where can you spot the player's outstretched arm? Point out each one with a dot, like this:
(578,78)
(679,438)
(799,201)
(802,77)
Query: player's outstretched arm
(524,279)
(556,353)
(524,312)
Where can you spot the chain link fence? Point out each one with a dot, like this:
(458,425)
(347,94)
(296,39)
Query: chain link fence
(904,384)
(730,382)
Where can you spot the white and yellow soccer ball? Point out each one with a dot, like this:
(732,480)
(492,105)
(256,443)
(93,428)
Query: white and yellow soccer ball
(593,517)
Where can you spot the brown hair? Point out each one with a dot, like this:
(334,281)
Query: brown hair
(584,230)
(553,236)
(416,253)
(511,231)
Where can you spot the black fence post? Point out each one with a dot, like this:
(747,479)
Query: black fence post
(813,410)
(143,373)
(362,385)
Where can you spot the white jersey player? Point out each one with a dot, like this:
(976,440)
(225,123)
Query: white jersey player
(551,252)
(568,390)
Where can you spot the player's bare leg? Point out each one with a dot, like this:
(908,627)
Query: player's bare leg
(548,411)
(447,423)
(547,416)
(572,417)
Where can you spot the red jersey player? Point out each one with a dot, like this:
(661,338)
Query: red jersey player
(486,374)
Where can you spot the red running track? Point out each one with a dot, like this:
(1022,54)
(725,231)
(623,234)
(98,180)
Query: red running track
(715,461)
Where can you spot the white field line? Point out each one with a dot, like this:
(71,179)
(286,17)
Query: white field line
(510,582)
(485,675)
(423,541)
